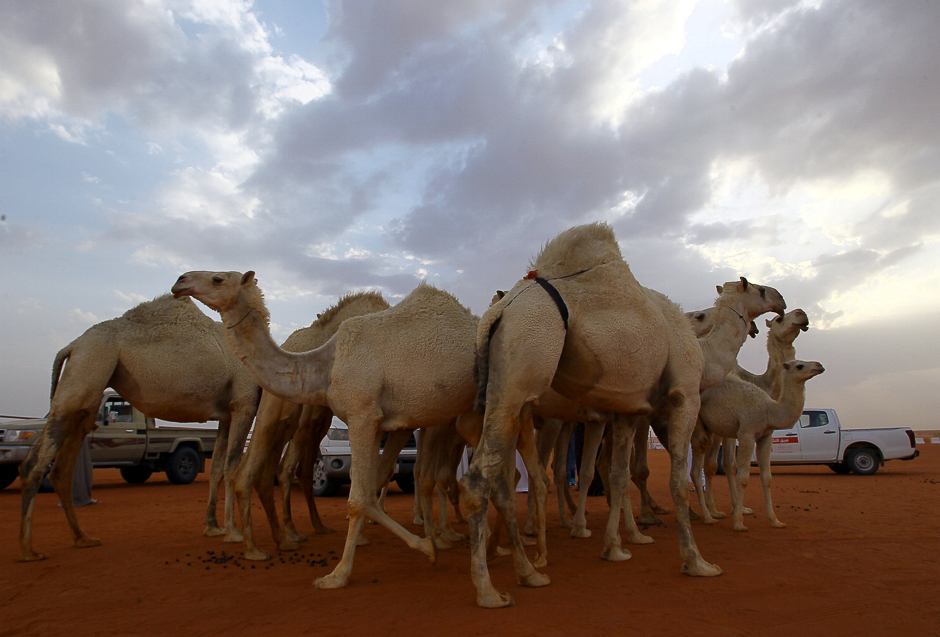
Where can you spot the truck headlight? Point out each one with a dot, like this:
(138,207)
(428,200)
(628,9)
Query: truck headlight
(336,433)
(12,435)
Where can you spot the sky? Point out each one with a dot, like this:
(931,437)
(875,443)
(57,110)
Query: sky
(339,146)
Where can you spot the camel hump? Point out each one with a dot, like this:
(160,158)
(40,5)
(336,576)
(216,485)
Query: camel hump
(166,310)
(577,249)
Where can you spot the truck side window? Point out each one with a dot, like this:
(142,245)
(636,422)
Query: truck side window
(804,420)
(122,408)
(816,419)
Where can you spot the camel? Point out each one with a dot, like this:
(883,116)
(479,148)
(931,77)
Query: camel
(782,332)
(738,409)
(280,421)
(582,325)
(401,369)
(167,359)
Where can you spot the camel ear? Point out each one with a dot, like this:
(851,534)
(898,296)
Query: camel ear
(718,287)
(699,316)
(248,277)
(753,332)
(500,294)
(787,366)
(744,282)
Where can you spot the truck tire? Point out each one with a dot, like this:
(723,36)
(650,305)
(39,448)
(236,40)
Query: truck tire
(406,482)
(8,473)
(136,474)
(183,466)
(862,461)
(840,467)
(323,487)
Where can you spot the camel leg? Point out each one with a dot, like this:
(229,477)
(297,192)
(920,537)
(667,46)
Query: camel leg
(308,459)
(277,421)
(711,469)
(640,473)
(701,446)
(530,456)
(216,474)
(545,437)
(764,446)
(291,538)
(446,479)
(61,478)
(684,407)
(560,474)
(418,515)
(617,489)
(31,473)
(745,450)
(593,434)
(241,421)
(425,488)
(364,446)
(453,491)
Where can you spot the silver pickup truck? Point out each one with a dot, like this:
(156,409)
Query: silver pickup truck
(332,468)
(124,438)
(818,438)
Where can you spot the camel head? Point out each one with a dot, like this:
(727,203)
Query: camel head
(702,321)
(753,298)
(802,371)
(787,327)
(753,332)
(220,291)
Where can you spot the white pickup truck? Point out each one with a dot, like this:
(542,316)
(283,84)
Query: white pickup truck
(818,438)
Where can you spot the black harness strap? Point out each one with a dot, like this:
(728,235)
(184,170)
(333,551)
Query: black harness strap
(556,297)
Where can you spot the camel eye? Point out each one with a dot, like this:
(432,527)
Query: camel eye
(217,280)
(799,367)
(780,319)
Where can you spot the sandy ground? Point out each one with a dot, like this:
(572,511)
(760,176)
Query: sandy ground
(860,555)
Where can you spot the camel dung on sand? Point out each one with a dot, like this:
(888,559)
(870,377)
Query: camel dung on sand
(401,369)
(170,361)
(601,340)
(279,421)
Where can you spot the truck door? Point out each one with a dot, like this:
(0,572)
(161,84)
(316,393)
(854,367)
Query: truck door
(117,437)
(819,438)
(786,446)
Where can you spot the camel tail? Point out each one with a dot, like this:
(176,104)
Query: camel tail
(481,366)
(60,359)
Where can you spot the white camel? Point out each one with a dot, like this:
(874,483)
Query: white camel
(738,409)
(170,361)
(401,369)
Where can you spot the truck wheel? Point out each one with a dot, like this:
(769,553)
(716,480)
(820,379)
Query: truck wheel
(406,482)
(137,474)
(862,461)
(323,487)
(183,466)
(840,467)
(8,473)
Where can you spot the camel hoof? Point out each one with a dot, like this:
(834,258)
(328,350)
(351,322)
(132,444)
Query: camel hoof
(701,568)
(658,510)
(778,524)
(452,536)
(651,520)
(527,541)
(529,529)
(580,532)
(288,545)
(362,540)
(32,556)
(534,580)
(495,600)
(329,581)
(540,561)
(323,530)
(747,511)
(740,528)
(87,542)
(567,524)
(296,537)
(213,531)
(233,537)
(257,555)
(441,544)
(429,548)
(710,520)
(502,552)
(616,554)
(719,515)
(639,538)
